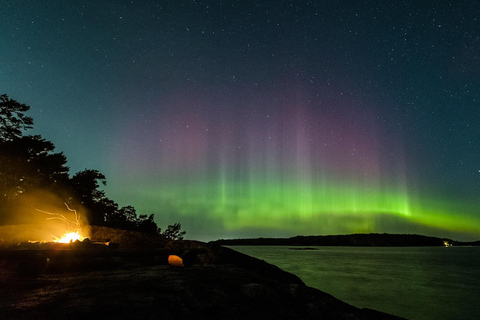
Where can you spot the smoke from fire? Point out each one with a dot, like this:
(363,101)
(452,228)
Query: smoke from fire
(41,216)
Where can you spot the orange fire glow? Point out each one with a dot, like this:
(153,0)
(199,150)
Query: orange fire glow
(69,237)
(73,226)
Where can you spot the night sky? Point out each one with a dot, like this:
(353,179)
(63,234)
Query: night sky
(261,118)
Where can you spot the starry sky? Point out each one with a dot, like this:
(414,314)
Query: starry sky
(261,118)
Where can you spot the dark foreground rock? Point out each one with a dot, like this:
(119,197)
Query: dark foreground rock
(132,283)
(234,286)
(164,292)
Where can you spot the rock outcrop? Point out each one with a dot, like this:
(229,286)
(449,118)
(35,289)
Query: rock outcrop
(221,284)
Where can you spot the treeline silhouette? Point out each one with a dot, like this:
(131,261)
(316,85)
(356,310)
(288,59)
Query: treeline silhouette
(33,175)
(351,240)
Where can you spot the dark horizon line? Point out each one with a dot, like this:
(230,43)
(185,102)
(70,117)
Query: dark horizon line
(354,239)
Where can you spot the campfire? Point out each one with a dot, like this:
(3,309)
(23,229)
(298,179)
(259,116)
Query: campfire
(69,237)
(73,226)
(59,242)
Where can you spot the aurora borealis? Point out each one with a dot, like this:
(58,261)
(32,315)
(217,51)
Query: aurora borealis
(249,119)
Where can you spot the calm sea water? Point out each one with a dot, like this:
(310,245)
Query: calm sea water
(416,283)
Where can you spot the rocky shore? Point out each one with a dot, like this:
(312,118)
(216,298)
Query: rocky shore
(221,284)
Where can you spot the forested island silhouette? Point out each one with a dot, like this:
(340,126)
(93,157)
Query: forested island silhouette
(354,240)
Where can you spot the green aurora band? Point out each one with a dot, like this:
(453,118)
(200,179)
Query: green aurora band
(301,172)
(297,208)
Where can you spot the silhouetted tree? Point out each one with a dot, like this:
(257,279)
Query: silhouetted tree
(126,218)
(173,232)
(147,224)
(12,169)
(128,213)
(12,118)
(29,164)
(103,211)
(85,186)
(123,218)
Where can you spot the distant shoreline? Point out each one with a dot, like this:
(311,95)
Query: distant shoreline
(353,240)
